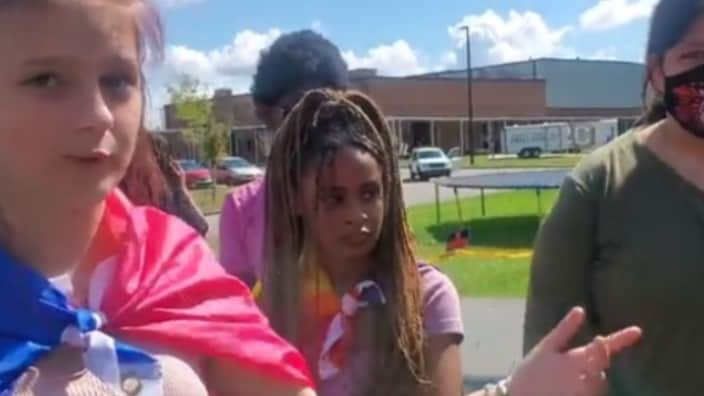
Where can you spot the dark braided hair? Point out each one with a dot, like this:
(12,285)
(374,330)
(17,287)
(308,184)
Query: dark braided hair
(321,124)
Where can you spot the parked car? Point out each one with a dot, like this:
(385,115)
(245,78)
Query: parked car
(235,171)
(197,175)
(427,162)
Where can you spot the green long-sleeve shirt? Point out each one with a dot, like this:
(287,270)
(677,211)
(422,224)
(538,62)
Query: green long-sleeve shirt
(626,240)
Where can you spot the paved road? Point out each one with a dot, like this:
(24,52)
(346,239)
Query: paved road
(416,192)
(493,342)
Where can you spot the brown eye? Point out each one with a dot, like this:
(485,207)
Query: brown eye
(44,80)
(331,199)
(370,192)
(369,195)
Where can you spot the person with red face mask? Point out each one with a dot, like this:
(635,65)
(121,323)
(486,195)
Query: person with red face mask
(625,239)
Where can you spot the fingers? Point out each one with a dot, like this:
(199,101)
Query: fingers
(621,340)
(598,356)
(592,385)
(175,166)
(594,359)
(559,338)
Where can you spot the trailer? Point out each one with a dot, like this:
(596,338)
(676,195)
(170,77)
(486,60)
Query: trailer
(590,135)
(533,140)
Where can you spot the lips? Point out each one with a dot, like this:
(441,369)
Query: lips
(357,239)
(92,156)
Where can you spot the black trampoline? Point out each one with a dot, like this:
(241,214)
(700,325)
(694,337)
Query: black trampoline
(524,180)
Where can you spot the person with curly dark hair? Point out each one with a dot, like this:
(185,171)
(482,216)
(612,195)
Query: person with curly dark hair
(295,62)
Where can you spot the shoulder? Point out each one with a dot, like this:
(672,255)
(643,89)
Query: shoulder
(180,378)
(441,303)
(246,195)
(602,170)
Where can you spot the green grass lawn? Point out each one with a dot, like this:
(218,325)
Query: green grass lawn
(207,202)
(556,161)
(510,225)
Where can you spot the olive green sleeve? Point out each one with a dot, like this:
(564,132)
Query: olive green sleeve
(564,250)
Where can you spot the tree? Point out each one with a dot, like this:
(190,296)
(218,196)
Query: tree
(194,109)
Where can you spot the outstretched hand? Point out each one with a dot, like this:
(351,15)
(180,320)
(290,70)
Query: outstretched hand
(552,369)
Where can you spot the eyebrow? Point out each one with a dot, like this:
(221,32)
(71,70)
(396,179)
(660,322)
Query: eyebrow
(371,183)
(333,189)
(69,61)
(47,61)
(693,43)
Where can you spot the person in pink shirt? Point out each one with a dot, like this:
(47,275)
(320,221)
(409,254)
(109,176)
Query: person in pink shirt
(294,63)
(343,284)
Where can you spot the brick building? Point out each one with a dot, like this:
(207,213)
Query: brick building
(431,109)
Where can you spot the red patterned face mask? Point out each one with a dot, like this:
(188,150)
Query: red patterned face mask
(684,99)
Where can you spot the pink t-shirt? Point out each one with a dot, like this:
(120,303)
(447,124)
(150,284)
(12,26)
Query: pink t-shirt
(242,231)
(442,316)
(241,253)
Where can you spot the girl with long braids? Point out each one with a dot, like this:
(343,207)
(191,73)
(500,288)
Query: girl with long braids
(342,281)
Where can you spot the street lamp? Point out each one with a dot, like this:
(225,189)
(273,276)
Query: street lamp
(470,102)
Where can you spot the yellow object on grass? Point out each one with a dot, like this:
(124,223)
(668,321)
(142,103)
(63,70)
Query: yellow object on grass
(494,253)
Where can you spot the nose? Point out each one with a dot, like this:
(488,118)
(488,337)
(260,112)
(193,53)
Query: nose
(94,112)
(356,215)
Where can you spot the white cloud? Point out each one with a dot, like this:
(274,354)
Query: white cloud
(396,59)
(518,36)
(608,14)
(184,60)
(230,66)
(449,58)
(177,3)
(241,56)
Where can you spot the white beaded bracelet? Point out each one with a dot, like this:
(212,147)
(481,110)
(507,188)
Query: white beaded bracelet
(500,389)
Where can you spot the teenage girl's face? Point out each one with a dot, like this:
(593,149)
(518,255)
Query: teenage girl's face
(686,55)
(344,208)
(70,98)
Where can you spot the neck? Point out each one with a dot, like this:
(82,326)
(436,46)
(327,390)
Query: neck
(681,140)
(678,148)
(49,239)
(345,274)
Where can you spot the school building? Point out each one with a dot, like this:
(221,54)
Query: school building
(431,109)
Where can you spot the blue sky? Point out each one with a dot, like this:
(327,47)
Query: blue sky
(218,41)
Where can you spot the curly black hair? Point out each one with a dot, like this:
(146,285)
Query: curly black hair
(298,60)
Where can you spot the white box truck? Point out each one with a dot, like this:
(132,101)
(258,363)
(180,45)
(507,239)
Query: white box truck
(530,141)
(590,135)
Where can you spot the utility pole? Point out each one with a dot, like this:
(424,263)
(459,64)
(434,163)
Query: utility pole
(470,102)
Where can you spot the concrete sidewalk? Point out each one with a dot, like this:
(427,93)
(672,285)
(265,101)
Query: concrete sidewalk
(493,339)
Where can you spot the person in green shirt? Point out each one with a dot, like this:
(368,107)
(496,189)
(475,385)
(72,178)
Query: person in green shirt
(625,239)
